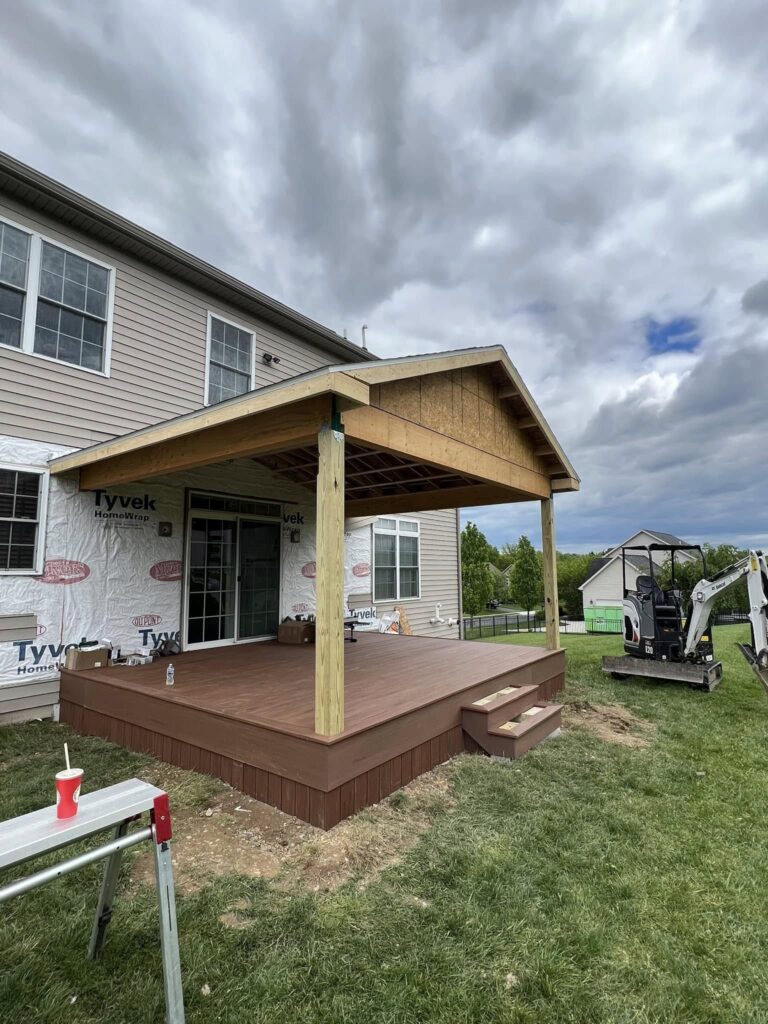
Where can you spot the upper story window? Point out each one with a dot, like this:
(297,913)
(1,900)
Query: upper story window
(22,509)
(71,318)
(230,360)
(54,302)
(14,260)
(396,559)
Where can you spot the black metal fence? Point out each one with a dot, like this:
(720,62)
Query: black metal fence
(730,618)
(480,627)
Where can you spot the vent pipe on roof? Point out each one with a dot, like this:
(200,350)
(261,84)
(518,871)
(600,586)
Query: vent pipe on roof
(362,331)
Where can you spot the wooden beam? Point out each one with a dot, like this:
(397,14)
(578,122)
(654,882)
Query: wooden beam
(544,449)
(289,427)
(426,501)
(564,483)
(549,566)
(322,383)
(508,391)
(387,432)
(527,422)
(329,638)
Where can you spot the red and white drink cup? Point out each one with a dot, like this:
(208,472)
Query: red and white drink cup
(68,791)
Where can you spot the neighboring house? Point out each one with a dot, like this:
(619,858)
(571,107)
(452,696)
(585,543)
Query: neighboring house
(105,328)
(602,590)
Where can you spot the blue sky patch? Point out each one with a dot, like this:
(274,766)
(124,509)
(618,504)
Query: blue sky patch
(678,335)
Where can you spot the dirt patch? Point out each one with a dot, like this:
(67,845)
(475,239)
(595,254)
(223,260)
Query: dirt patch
(235,834)
(363,846)
(611,722)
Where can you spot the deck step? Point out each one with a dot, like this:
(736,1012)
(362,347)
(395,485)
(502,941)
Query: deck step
(497,708)
(516,734)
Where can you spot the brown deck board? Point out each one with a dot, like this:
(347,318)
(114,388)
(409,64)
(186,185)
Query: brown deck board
(272,684)
(246,714)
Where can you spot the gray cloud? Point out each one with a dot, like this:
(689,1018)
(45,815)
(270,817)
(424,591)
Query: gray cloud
(544,175)
(755,299)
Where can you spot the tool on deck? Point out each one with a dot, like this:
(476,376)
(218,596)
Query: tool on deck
(662,642)
(41,832)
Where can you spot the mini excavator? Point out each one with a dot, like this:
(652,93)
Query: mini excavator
(664,640)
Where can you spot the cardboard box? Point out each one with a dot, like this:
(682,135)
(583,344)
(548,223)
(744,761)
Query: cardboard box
(95,657)
(296,632)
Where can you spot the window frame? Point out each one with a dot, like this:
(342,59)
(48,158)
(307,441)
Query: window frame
(42,515)
(397,534)
(213,315)
(32,297)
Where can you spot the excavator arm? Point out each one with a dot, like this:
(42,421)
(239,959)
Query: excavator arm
(706,592)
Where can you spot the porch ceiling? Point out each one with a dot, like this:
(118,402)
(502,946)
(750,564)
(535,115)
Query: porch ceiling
(368,473)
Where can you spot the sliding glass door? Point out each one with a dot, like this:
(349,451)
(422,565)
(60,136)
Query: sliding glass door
(212,580)
(259,579)
(233,579)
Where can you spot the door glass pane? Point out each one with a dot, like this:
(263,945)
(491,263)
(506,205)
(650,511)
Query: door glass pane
(212,580)
(259,579)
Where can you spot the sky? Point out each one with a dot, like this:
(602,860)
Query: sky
(585,183)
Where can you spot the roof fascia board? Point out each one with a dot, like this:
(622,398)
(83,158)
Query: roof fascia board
(292,390)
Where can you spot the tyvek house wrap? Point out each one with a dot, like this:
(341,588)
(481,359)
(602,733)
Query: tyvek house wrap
(109,575)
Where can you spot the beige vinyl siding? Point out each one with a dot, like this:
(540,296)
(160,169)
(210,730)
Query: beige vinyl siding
(607,586)
(439,563)
(158,355)
(23,702)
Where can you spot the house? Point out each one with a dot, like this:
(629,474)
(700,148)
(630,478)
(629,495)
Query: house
(183,457)
(603,589)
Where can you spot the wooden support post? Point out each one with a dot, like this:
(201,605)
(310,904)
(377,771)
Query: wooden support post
(329,635)
(549,560)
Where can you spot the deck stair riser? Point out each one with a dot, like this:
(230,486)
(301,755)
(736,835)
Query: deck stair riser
(509,722)
(497,708)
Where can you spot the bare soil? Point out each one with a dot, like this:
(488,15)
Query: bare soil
(236,834)
(613,723)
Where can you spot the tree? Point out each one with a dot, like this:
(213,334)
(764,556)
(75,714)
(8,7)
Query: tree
(688,574)
(476,579)
(500,587)
(506,555)
(571,573)
(525,586)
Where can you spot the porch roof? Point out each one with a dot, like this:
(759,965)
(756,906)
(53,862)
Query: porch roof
(459,423)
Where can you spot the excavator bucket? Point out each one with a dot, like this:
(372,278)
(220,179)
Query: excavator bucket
(761,671)
(700,677)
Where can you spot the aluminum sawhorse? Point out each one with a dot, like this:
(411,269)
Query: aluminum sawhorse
(115,807)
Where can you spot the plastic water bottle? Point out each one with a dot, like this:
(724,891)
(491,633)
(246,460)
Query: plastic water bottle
(169,675)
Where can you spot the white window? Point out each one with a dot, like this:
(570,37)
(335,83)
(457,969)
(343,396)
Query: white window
(23,499)
(396,559)
(71,323)
(54,302)
(14,263)
(230,360)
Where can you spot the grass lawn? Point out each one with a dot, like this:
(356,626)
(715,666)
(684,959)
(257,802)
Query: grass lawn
(588,882)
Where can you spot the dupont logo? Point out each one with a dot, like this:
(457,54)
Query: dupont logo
(145,621)
(166,572)
(64,571)
(361,569)
(301,607)
(41,629)
(309,570)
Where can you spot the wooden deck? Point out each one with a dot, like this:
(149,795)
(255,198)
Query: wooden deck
(246,714)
